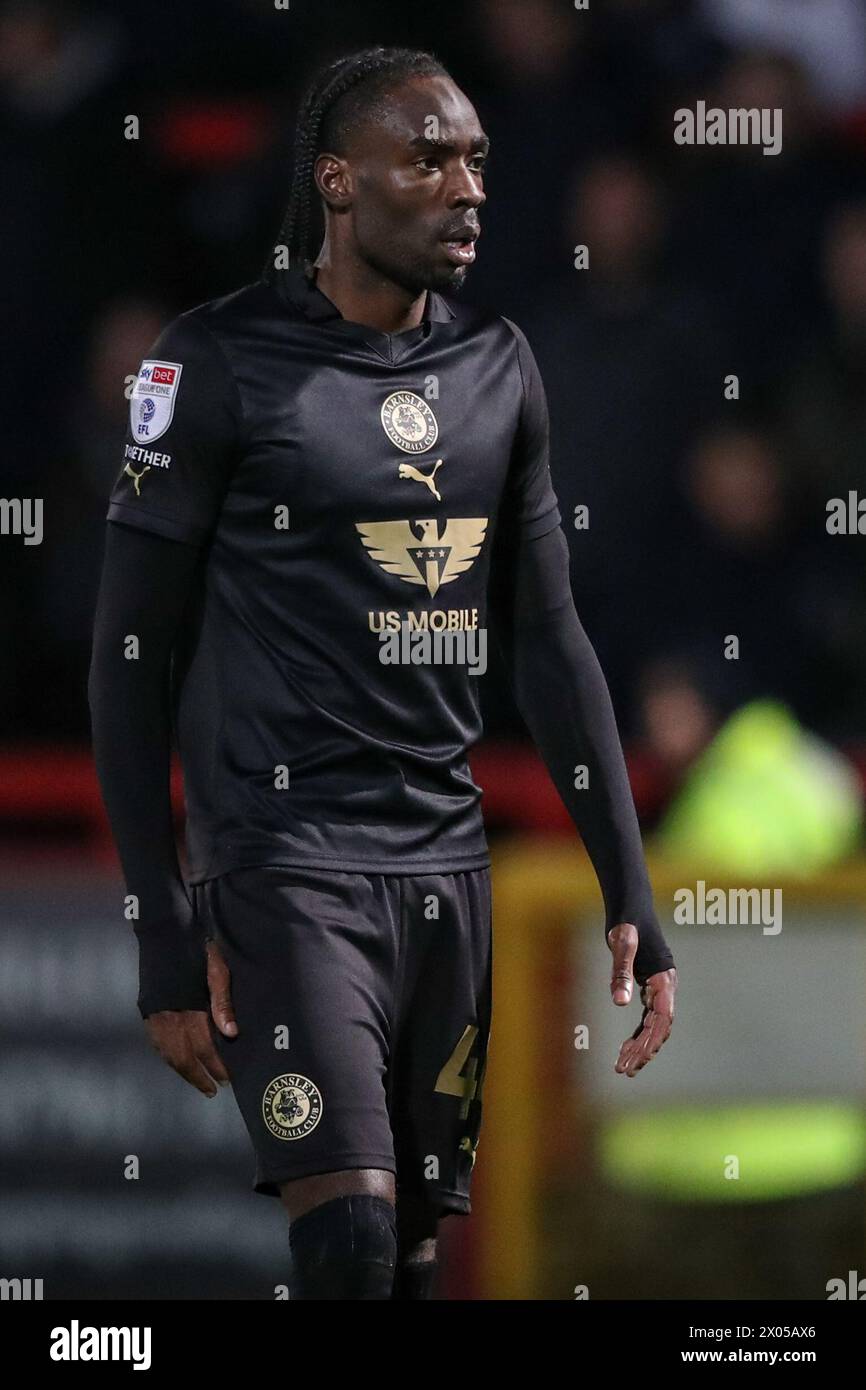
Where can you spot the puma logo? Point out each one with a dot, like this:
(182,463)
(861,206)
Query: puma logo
(408,470)
(137,477)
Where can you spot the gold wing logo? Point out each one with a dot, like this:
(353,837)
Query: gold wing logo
(427,558)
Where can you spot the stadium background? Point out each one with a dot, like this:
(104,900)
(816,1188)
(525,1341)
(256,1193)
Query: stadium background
(706,518)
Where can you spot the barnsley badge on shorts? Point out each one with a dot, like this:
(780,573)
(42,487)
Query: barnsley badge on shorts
(292,1106)
(151,405)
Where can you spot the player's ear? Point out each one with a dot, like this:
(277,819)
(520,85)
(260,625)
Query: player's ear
(333,180)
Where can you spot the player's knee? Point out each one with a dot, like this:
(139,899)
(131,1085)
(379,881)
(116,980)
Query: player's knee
(344,1248)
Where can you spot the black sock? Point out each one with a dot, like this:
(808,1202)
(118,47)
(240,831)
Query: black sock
(415,1279)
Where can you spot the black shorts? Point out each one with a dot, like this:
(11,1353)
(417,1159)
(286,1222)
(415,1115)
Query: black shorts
(363,1010)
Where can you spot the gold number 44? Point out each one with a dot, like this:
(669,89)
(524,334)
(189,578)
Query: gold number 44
(453,1080)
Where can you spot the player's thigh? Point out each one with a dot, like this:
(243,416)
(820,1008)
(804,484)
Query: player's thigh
(444,1028)
(301,1195)
(311,962)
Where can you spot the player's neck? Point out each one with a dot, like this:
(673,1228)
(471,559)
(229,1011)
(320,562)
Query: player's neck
(368,298)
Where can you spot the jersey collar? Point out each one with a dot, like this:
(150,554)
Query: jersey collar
(301,290)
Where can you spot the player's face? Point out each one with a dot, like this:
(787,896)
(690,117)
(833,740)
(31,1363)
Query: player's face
(418,185)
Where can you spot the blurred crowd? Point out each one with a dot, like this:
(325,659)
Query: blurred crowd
(704,508)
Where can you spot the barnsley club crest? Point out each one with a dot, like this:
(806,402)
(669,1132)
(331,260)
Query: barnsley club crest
(291,1106)
(409,422)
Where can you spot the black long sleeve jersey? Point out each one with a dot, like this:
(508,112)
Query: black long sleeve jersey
(346,487)
(345,481)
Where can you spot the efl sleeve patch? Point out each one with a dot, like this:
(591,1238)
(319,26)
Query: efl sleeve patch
(151,405)
(181,447)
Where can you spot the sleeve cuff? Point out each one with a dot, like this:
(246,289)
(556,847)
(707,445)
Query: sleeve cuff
(540,526)
(168,526)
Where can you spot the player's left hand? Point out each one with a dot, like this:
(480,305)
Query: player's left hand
(656,994)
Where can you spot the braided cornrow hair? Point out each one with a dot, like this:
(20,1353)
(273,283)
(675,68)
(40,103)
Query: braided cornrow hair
(337,99)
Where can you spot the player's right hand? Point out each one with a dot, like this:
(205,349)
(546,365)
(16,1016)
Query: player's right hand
(183,1039)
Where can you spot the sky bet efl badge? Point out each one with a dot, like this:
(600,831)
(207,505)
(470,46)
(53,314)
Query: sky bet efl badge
(152,404)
